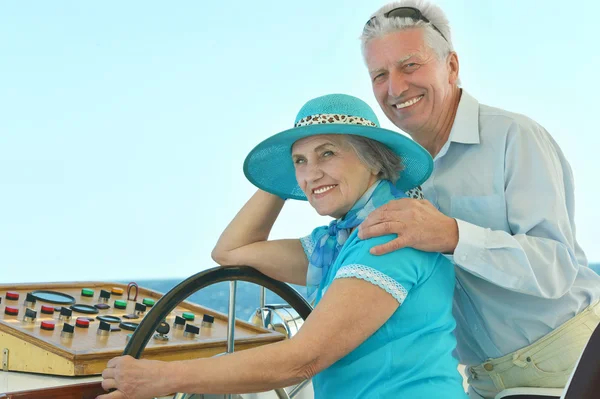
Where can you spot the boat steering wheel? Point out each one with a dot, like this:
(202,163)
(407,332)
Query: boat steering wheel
(183,290)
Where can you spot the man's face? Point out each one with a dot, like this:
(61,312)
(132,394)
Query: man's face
(411,85)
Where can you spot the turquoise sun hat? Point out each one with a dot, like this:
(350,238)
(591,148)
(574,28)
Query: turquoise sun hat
(269,165)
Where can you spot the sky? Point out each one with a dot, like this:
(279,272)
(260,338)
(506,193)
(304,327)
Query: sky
(124,125)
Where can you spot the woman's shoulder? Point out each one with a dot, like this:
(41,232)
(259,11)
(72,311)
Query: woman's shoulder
(406,254)
(357,251)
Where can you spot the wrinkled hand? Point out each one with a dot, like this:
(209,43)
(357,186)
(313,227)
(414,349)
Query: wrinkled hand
(417,223)
(135,379)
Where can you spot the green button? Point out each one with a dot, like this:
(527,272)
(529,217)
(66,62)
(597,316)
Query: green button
(148,302)
(87,292)
(188,316)
(120,304)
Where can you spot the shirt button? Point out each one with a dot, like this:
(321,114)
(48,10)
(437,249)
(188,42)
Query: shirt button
(463,257)
(488,367)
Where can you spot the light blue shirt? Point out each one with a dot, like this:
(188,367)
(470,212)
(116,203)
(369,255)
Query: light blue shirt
(410,356)
(520,273)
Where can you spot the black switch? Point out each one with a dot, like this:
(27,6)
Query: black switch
(30,313)
(30,298)
(192,329)
(180,321)
(140,307)
(68,328)
(104,326)
(66,312)
(104,294)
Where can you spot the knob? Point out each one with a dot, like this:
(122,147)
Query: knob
(148,302)
(12,296)
(11,311)
(47,325)
(119,304)
(188,316)
(162,330)
(47,309)
(82,322)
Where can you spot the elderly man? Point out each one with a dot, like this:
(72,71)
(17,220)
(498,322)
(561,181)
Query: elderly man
(500,203)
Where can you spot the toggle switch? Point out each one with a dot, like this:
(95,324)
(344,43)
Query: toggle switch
(103,329)
(29,300)
(140,309)
(29,316)
(191,331)
(207,321)
(179,323)
(65,314)
(104,296)
(67,331)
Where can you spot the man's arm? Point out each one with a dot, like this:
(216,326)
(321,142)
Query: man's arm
(536,258)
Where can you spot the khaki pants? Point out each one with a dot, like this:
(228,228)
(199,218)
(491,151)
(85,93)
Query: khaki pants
(547,363)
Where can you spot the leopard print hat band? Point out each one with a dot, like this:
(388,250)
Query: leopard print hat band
(334,118)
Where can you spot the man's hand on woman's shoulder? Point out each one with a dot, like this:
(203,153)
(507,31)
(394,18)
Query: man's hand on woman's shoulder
(417,223)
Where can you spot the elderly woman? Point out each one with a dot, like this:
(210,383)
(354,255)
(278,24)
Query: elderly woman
(382,326)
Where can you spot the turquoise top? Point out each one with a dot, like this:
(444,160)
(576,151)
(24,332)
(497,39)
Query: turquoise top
(410,356)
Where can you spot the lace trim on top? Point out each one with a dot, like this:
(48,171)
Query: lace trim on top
(308,245)
(374,276)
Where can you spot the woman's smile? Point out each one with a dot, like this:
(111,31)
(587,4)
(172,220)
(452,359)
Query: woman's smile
(321,191)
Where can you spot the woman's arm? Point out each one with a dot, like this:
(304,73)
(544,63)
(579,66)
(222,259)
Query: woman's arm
(244,242)
(331,332)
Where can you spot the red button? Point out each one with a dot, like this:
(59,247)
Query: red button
(13,296)
(47,309)
(48,325)
(11,310)
(82,322)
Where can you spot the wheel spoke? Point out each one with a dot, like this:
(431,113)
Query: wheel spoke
(231,317)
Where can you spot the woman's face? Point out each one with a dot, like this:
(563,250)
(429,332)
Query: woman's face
(330,173)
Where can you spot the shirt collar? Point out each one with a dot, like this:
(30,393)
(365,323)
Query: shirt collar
(465,128)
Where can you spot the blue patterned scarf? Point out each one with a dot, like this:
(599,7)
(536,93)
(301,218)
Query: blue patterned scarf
(329,240)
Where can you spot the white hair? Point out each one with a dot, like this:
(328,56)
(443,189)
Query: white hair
(380,26)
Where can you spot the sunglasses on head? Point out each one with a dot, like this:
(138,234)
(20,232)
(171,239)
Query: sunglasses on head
(405,12)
